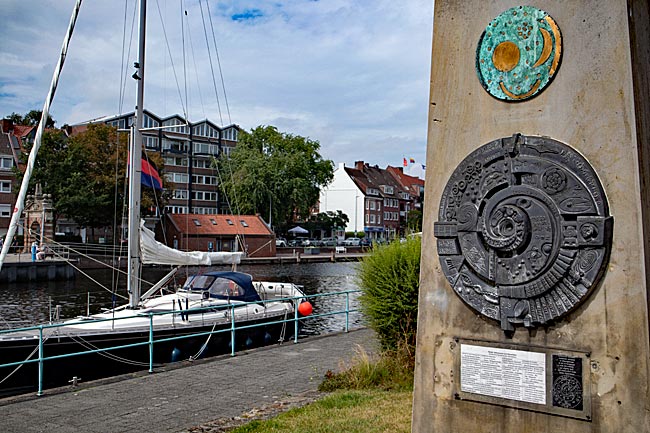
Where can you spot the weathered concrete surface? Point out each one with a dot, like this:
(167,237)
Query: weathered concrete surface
(189,398)
(590,106)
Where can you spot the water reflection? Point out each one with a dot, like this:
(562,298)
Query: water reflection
(33,302)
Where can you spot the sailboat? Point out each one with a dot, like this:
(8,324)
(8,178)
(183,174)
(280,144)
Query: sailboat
(211,313)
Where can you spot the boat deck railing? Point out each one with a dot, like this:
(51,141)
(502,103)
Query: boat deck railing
(53,330)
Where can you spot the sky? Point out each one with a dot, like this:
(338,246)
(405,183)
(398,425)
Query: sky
(350,74)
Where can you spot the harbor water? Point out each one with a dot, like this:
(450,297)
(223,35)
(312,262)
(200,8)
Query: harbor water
(30,303)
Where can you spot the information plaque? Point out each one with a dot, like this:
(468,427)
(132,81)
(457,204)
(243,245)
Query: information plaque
(541,379)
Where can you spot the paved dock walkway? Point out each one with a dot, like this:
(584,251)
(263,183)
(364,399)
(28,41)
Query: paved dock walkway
(186,398)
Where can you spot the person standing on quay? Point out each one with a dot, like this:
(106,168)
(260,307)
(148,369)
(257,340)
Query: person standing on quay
(34,250)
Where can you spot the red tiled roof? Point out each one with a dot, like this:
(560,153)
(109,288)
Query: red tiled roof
(245,225)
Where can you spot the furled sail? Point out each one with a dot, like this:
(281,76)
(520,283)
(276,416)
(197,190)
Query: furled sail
(153,252)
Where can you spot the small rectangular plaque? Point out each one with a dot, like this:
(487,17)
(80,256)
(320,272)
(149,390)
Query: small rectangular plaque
(503,373)
(567,382)
(537,378)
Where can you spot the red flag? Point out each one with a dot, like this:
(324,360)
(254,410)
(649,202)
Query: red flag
(405,163)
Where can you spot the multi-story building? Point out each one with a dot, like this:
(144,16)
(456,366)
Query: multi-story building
(12,139)
(374,199)
(188,150)
(412,195)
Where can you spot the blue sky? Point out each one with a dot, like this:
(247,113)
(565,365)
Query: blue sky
(351,74)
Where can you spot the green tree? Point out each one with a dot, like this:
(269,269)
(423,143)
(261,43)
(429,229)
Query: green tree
(274,173)
(31,119)
(414,221)
(85,174)
(330,221)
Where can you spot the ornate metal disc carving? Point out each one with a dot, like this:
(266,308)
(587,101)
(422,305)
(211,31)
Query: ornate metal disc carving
(524,231)
(519,53)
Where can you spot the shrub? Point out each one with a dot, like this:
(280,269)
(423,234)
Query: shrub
(389,279)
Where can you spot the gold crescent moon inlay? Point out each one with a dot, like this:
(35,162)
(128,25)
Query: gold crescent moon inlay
(558,44)
(546,48)
(523,95)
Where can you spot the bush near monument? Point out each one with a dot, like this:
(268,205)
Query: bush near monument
(390,279)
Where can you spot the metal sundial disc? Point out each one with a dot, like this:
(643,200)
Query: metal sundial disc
(519,53)
(524,230)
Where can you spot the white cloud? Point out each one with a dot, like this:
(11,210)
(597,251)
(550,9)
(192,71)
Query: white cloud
(351,74)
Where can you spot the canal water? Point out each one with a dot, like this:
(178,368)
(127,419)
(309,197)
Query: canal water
(26,304)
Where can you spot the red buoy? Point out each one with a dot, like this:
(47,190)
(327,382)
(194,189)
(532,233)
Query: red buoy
(305,308)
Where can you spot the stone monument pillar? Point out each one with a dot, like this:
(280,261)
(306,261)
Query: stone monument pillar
(533,308)
(39,218)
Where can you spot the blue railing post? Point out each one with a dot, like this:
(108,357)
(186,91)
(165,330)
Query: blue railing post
(295,321)
(347,311)
(232,330)
(40,361)
(150,342)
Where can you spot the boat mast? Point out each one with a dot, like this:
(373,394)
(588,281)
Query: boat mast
(20,200)
(135,171)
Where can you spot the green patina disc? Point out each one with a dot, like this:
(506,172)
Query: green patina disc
(519,53)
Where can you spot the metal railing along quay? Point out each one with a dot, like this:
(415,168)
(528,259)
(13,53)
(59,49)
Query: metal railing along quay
(43,334)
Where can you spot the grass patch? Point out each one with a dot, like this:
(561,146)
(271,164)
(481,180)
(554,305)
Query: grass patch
(392,370)
(355,411)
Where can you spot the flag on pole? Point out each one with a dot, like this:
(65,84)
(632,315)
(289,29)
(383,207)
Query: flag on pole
(412,160)
(405,163)
(150,176)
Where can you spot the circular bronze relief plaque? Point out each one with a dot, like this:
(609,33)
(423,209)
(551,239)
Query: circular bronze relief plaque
(524,231)
(519,53)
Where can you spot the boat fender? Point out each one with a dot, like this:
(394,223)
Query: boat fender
(268,338)
(249,342)
(176,354)
(305,308)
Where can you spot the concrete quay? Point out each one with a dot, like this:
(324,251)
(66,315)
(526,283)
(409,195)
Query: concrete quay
(187,398)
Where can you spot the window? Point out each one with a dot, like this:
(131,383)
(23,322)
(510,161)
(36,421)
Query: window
(213,221)
(244,223)
(175,125)
(204,195)
(229,221)
(230,134)
(5,210)
(175,145)
(176,209)
(373,191)
(176,177)
(196,222)
(388,189)
(5,186)
(149,122)
(6,162)
(179,162)
(372,218)
(150,142)
(372,205)
(201,163)
(205,130)
(180,194)
(367,218)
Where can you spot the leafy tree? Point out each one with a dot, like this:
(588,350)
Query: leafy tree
(85,174)
(31,119)
(330,220)
(414,221)
(390,279)
(276,173)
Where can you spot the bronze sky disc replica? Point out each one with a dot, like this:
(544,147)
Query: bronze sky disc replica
(524,231)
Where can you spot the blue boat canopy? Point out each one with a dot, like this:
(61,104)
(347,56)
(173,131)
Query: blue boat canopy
(236,286)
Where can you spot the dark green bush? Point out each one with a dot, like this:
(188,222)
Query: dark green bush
(389,279)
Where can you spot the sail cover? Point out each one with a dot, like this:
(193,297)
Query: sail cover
(154,252)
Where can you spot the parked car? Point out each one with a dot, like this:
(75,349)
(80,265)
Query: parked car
(365,242)
(280,242)
(329,242)
(352,242)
